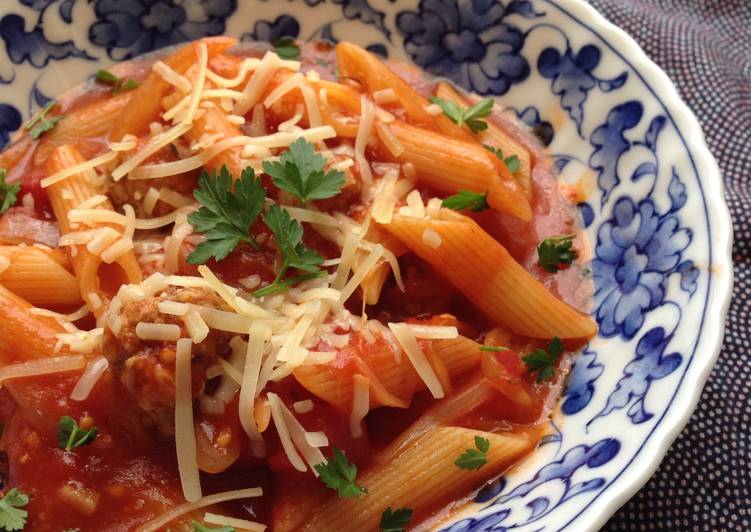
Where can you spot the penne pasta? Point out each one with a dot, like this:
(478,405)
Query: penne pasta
(490,278)
(35,275)
(393,383)
(97,281)
(494,136)
(147,97)
(448,165)
(423,477)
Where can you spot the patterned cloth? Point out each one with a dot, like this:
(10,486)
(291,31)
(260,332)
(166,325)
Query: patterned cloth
(704,482)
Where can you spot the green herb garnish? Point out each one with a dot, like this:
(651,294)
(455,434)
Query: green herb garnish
(226,215)
(555,251)
(118,84)
(286,48)
(471,117)
(8,192)
(12,517)
(543,361)
(395,520)
(467,199)
(40,124)
(494,348)
(338,474)
(512,162)
(288,233)
(71,435)
(300,171)
(473,459)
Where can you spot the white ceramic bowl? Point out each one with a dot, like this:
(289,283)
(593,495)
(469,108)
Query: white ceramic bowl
(655,214)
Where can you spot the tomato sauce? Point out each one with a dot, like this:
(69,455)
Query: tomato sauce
(129,474)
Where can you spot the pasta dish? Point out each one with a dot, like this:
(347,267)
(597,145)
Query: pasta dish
(296,288)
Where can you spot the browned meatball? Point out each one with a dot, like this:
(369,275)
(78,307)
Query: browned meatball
(147,368)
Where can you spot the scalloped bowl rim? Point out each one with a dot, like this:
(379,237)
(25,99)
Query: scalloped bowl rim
(631,479)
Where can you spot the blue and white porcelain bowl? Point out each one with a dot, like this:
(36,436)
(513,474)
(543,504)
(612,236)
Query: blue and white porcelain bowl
(655,213)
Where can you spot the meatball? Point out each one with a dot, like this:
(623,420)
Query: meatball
(147,368)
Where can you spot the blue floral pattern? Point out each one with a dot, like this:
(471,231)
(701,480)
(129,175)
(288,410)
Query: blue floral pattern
(127,28)
(577,95)
(572,77)
(470,42)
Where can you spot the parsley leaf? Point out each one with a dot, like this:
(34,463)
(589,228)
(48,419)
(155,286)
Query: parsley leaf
(288,234)
(8,192)
(471,117)
(493,348)
(300,171)
(543,360)
(555,251)
(198,527)
(512,162)
(40,124)
(338,474)
(474,458)
(225,216)
(11,516)
(71,435)
(467,199)
(118,84)
(286,48)
(395,520)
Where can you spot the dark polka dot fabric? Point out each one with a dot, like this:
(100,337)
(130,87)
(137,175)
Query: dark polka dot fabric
(704,482)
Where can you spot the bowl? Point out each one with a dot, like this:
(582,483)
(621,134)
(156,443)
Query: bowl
(614,124)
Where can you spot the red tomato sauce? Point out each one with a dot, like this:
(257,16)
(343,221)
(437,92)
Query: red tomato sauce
(129,475)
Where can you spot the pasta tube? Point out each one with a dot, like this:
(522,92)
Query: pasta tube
(34,274)
(482,269)
(422,478)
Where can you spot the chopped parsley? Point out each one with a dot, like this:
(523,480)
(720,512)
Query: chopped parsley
(8,192)
(473,459)
(198,527)
(226,215)
(493,348)
(286,48)
(512,162)
(12,517)
(467,199)
(300,171)
(395,520)
(471,117)
(71,435)
(118,84)
(288,233)
(543,360)
(338,474)
(40,124)
(556,251)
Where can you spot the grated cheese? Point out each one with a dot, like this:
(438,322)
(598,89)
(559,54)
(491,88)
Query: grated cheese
(295,81)
(78,168)
(258,83)
(231,522)
(172,77)
(155,144)
(196,327)
(94,371)
(431,238)
(185,436)
(159,523)
(317,439)
(389,139)
(149,200)
(407,340)
(42,366)
(249,386)
(364,133)
(277,415)
(195,97)
(385,96)
(162,332)
(360,404)
(362,271)
(303,407)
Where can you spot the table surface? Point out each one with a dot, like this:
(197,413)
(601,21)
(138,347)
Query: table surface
(704,482)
